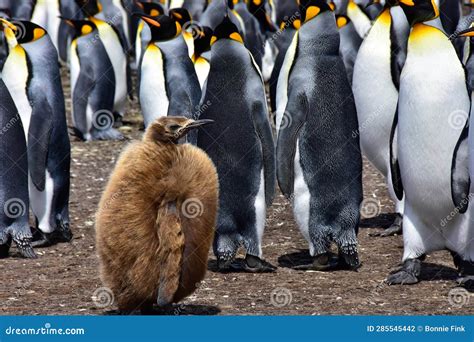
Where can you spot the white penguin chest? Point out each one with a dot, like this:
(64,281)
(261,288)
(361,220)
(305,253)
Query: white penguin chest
(375,93)
(153,97)
(15,75)
(202,67)
(282,87)
(116,55)
(433,109)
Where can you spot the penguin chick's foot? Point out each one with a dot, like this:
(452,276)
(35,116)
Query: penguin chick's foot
(407,275)
(322,262)
(254,264)
(395,229)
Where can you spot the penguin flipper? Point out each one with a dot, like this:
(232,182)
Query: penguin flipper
(287,140)
(460,180)
(38,142)
(394,165)
(264,132)
(170,252)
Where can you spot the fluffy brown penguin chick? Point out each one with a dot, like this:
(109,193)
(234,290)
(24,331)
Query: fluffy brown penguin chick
(156,218)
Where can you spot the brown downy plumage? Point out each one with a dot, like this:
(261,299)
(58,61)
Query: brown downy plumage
(156,218)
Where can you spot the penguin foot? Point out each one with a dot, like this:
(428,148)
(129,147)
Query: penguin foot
(118,120)
(395,229)
(62,234)
(407,275)
(466,281)
(109,134)
(322,262)
(5,247)
(254,264)
(23,243)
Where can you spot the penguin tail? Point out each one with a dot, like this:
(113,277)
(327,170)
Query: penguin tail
(170,252)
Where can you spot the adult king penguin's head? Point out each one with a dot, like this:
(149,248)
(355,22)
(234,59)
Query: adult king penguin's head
(161,27)
(169,129)
(202,41)
(226,30)
(81,27)
(311,8)
(181,15)
(27,31)
(419,11)
(151,8)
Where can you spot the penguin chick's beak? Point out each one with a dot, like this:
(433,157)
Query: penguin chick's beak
(196,124)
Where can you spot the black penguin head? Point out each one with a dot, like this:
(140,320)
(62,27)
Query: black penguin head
(27,31)
(293,23)
(89,7)
(202,41)
(181,15)
(151,8)
(419,11)
(161,27)
(81,27)
(311,8)
(4,46)
(259,10)
(226,30)
(169,129)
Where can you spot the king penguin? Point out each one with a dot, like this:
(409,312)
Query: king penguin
(14,225)
(202,54)
(48,140)
(319,163)
(168,81)
(153,242)
(375,85)
(429,151)
(240,143)
(115,48)
(143,32)
(92,84)
(188,27)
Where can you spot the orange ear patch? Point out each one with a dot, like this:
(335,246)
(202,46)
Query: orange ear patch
(151,22)
(236,36)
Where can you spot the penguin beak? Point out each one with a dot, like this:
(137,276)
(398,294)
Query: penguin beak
(465,33)
(198,123)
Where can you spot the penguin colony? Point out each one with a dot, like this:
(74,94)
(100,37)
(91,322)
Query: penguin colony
(391,80)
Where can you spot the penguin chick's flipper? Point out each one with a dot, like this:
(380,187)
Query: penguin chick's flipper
(296,112)
(394,165)
(264,132)
(38,141)
(407,275)
(395,229)
(170,252)
(460,180)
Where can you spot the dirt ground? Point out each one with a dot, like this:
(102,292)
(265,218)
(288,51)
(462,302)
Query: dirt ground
(64,279)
